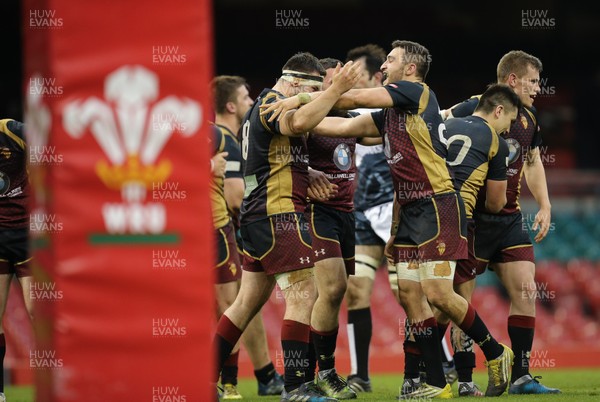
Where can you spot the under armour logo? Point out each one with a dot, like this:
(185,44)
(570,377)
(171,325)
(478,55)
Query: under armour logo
(319,252)
(304,260)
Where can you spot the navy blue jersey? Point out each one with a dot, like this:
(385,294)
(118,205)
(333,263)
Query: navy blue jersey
(234,153)
(475,154)
(275,165)
(524,135)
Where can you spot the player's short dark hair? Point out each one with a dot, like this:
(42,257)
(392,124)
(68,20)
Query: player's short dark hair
(330,62)
(516,61)
(374,57)
(304,62)
(415,53)
(498,94)
(225,89)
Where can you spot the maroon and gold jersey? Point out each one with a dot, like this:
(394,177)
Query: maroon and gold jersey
(413,142)
(14,180)
(524,136)
(335,158)
(275,165)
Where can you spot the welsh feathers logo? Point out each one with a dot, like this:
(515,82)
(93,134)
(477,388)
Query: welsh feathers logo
(132,125)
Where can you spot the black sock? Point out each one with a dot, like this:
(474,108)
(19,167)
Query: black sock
(362,327)
(427,338)
(325,343)
(442,332)
(295,342)
(312,359)
(520,330)
(474,327)
(229,374)
(412,358)
(464,363)
(265,374)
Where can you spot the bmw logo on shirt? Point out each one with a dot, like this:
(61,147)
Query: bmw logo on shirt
(342,157)
(4,183)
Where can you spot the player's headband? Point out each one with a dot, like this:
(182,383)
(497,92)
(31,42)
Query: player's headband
(302,78)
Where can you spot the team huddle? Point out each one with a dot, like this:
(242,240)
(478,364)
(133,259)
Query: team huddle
(341,168)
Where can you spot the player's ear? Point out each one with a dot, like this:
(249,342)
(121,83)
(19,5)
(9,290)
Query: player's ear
(230,106)
(498,111)
(512,80)
(378,76)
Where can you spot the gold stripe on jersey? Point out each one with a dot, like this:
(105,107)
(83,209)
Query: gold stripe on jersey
(219,205)
(4,129)
(469,189)
(476,179)
(434,165)
(530,113)
(263,119)
(424,101)
(226,132)
(217,194)
(224,236)
(279,183)
(519,189)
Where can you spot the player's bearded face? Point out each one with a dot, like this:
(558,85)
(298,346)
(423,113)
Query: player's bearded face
(393,68)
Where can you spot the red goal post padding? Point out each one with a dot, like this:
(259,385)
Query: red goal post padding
(117,103)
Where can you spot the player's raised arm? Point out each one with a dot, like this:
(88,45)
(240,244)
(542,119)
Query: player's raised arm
(300,121)
(374,98)
(359,126)
(355,98)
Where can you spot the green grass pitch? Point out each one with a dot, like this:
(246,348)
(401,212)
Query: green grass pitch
(577,385)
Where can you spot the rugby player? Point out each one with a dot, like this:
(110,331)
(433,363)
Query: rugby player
(430,229)
(276,236)
(502,243)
